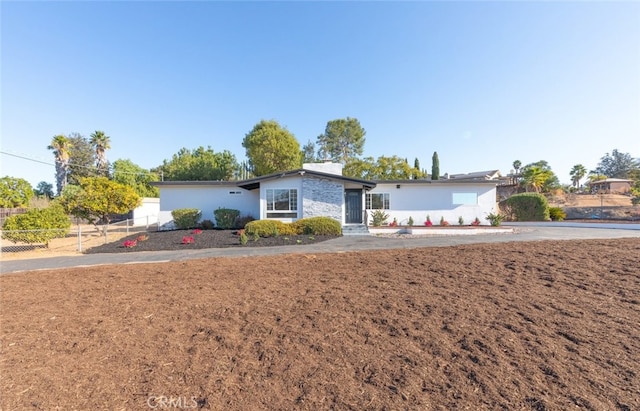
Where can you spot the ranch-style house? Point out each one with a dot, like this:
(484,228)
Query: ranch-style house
(320,189)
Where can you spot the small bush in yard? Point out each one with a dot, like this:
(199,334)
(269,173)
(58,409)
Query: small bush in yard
(410,222)
(428,222)
(495,219)
(188,240)
(460,220)
(525,207)
(243,237)
(186,218)
(226,218)
(207,225)
(38,225)
(318,226)
(243,221)
(130,244)
(378,217)
(475,222)
(269,228)
(557,214)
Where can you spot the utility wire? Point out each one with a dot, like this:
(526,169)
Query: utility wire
(94,169)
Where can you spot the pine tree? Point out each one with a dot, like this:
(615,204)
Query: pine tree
(435,166)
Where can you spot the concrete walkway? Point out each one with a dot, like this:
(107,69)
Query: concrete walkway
(341,244)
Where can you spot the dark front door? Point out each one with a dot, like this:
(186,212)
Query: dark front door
(353,206)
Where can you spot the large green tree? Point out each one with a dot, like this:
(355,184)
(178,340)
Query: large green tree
(200,164)
(577,173)
(342,139)
(130,174)
(15,192)
(309,152)
(81,158)
(101,143)
(96,199)
(617,165)
(435,166)
(60,145)
(383,168)
(271,148)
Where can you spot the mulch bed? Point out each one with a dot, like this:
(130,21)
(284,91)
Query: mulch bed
(175,240)
(538,326)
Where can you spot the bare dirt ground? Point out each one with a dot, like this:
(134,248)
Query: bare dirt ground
(516,326)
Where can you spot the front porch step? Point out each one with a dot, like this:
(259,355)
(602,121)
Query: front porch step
(355,229)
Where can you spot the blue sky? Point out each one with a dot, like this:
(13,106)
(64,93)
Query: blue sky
(481,83)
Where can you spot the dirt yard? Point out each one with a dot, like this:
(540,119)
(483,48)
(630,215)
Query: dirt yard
(517,326)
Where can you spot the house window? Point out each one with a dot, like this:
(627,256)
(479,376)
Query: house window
(464,198)
(282,203)
(377,201)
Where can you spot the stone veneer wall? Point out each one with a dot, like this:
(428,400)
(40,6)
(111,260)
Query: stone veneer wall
(322,198)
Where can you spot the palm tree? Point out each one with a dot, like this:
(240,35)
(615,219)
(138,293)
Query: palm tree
(101,142)
(535,177)
(577,173)
(60,145)
(516,165)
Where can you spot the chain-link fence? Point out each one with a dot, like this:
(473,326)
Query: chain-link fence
(79,238)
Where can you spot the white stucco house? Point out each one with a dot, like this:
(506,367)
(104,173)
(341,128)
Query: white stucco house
(320,189)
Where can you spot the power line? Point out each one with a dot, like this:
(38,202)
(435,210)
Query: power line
(92,168)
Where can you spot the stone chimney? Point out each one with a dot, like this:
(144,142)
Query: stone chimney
(326,167)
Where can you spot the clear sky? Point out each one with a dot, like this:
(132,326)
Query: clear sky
(481,83)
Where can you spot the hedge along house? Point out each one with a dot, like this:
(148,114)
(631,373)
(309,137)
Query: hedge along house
(320,189)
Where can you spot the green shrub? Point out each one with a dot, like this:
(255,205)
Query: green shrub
(525,207)
(494,219)
(226,218)
(318,226)
(51,222)
(243,237)
(269,228)
(557,214)
(460,220)
(378,217)
(410,222)
(207,225)
(186,218)
(243,221)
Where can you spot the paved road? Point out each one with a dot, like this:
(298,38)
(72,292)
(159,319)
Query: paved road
(341,244)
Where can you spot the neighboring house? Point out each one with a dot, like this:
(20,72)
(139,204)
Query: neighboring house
(320,189)
(611,186)
(478,175)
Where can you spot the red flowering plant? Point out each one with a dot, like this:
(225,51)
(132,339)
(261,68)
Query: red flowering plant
(197,231)
(142,237)
(476,222)
(130,243)
(443,222)
(188,240)
(394,223)
(428,223)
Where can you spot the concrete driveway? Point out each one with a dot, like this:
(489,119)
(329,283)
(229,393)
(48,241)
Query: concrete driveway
(532,232)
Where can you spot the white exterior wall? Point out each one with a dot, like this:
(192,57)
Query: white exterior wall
(147,213)
(282,183)
(436,200)
(207,199)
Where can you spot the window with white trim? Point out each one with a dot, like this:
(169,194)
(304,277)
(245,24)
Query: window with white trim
(282,203)
(464,198)
(377,201)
